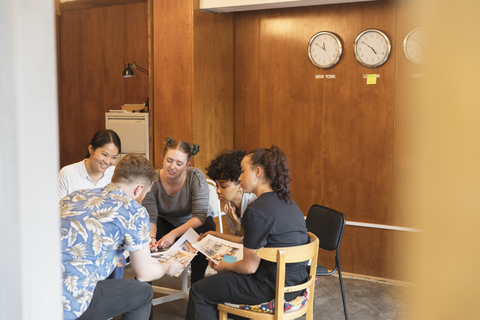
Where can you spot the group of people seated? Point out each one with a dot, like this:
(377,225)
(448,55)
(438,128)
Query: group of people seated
(108,208)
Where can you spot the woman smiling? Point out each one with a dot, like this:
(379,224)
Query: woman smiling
(96,170)
(178,201)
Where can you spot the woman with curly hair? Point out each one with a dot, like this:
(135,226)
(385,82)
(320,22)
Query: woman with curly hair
(273,220)
(225,171)
(178,200)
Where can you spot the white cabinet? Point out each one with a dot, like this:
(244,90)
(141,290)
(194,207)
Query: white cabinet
(132,128)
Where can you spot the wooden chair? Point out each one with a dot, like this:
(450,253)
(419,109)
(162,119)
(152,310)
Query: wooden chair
(282,256)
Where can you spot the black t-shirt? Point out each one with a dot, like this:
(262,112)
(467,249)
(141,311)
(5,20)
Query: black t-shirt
(269,222)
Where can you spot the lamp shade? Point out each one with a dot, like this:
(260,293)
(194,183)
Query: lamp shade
(127,72)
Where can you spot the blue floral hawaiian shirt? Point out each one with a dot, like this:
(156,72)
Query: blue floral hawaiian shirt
(97,225)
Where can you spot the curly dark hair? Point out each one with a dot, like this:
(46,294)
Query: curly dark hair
(226,166)
(275,169)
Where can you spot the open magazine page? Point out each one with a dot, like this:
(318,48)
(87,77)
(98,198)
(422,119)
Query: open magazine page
(186,241)
(184,257)
(217,249)
(182,250)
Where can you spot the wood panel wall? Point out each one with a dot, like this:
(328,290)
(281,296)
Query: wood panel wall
(244,80)
(338,134)
(94,46)
(193,75)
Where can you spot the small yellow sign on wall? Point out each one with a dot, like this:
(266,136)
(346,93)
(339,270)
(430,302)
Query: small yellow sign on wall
(371,79)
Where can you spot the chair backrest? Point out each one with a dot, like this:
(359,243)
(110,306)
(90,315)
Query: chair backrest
(214,202)
(284,255)
(327,224)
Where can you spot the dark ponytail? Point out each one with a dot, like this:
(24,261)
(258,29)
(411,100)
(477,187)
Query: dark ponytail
(275,169)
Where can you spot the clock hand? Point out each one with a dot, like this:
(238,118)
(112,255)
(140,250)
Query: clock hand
(320,46)
(417,41)
(326,51)
(323,48)
(369,47)
(421,44)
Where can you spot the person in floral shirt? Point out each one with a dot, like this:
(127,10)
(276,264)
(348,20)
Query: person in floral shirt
(97,226)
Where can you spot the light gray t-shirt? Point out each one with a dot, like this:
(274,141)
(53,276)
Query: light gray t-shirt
(190,201)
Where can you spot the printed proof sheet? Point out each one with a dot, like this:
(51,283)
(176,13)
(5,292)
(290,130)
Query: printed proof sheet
(182,250)
(217,249)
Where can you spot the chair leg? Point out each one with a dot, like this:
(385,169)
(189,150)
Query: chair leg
(337,260)
(309,313)
(222,315)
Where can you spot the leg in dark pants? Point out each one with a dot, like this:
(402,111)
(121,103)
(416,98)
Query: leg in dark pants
(200,262)
(229,286)
(129,297)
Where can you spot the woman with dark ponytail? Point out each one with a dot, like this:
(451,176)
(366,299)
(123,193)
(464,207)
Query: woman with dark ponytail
(178,200)
(273,220)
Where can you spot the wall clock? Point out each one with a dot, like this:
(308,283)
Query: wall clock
(324,49)
(414,46)
(372,48)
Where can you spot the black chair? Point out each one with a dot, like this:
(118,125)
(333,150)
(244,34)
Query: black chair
(328,225)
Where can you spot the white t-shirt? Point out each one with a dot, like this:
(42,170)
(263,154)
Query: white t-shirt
(75,177)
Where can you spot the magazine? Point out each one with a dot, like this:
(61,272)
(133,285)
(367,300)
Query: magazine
(217,249)
(182,250)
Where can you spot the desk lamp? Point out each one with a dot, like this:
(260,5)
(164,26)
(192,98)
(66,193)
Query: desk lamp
(128,72)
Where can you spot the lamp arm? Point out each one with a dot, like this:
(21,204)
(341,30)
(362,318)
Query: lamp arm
(134,65)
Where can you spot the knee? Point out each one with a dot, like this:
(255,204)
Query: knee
(193,294)
(147,290)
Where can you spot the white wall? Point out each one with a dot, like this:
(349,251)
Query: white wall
(29,226)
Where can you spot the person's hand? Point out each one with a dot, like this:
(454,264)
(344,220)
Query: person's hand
(231,212)
(203,235)
(174,267)
(211,264)
(166,241)
(120,263)
(153,245)
(221,267)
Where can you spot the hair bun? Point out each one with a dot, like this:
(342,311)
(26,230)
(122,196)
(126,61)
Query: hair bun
(168,140)
(195,148)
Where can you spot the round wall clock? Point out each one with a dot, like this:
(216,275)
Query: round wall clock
(414,46)
(372,48)
(324,49)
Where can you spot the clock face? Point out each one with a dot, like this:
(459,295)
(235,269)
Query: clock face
(414,46)
(324,49)
(372,48)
